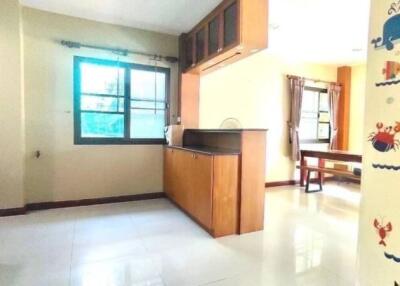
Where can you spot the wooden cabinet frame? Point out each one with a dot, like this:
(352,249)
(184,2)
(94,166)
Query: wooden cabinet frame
(251,35)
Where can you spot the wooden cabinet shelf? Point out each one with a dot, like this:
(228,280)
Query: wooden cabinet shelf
(235,29)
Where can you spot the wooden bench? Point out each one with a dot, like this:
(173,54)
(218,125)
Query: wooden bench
(322,156)
(320,171)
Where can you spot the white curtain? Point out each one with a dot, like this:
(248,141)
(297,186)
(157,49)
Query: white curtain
(296,88)
(334,99)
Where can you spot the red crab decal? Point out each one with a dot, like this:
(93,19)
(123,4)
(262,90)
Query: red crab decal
(384,140)
(383,231)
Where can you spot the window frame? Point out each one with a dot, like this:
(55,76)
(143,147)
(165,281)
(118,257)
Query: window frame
(317,141)
(126,140)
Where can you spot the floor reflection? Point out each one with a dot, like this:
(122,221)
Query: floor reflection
(309,245)
(309,239)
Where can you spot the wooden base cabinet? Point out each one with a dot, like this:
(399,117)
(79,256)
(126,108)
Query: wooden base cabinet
(205,187)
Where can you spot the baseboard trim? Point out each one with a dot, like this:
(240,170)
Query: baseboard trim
(12,212)
(347,180)
(89,202)
(281,183)
(79,203)
(295,182)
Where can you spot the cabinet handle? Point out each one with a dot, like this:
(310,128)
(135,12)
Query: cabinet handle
(219,50)
(194,156)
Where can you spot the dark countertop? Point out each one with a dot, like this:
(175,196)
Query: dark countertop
(206,150)
(224,130)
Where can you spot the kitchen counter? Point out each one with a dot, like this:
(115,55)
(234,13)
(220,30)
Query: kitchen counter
(218,178)
(238,130)
(207,150)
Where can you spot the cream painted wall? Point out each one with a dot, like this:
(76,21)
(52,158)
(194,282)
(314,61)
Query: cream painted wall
(11,107)
(380,187)
(255,91)
(66,171)
(357,105)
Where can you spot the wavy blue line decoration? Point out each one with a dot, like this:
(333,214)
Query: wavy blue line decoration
(392,257)
(387,83)
(386,167)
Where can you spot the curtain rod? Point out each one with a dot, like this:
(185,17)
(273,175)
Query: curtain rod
(118,51)
(314,80)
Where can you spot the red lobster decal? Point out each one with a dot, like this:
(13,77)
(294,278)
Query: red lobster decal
(383,231)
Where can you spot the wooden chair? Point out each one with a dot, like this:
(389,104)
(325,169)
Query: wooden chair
(319,181)
(320,171)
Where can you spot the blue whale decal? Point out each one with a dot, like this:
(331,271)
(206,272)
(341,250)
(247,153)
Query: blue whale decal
(391,33)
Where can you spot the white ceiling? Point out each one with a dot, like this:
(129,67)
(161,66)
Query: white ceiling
(167,16)
(323,31)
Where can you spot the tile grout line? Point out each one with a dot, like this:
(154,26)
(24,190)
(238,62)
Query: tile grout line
(215,281)
(140,237)
(72,252)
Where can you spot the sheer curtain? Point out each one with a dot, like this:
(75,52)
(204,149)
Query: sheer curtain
(334,98)
(296,88)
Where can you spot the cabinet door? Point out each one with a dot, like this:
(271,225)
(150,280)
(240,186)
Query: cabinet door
(225,195)
(189,52)
(200,189)
(200,45)
(231,24)
(181,177)
(214,36)
(169,172)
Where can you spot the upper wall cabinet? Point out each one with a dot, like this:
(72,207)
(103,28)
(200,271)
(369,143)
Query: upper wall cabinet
(231,22)
(234,30)
(214,36)
(200,44)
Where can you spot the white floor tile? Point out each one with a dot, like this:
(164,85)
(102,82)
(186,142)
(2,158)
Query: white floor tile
(118,272)
(309,239)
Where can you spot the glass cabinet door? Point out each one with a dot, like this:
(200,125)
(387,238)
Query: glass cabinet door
(189,52)
(230,24)
(213,36)
(200,45)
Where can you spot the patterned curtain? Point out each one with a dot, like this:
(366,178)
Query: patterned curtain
(296,88)
(334,98)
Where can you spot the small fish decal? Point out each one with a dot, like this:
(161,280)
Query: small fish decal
(391,72)
(383,231)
